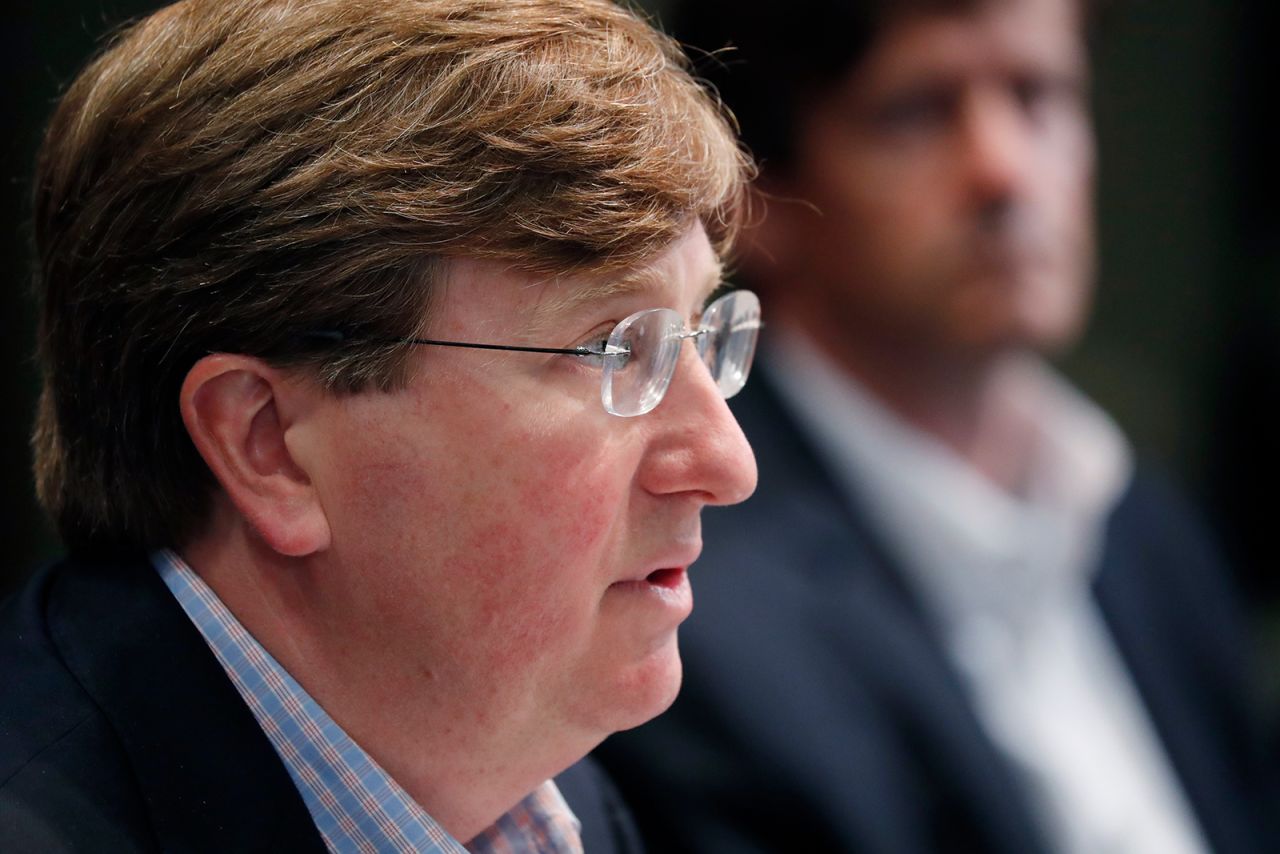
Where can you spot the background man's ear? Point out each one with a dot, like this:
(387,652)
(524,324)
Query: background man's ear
(237,410)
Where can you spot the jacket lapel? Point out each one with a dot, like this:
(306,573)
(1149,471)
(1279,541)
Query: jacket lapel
(1158,592)
(874,622)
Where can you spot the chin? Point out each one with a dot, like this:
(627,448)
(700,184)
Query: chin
(1043,312)
(1046,335)
(1051,318)
(645,690)
(1044,332)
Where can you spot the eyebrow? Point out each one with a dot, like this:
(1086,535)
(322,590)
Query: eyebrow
(624,284)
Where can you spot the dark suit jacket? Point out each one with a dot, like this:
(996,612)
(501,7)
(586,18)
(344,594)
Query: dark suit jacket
(119,731)
(820,713)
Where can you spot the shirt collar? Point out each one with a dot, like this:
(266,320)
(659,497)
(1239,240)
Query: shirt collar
(355,804)
(966,544)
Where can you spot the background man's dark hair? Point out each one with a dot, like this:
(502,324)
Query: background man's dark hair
(767,58)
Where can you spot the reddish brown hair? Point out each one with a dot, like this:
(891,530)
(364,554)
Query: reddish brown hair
(230,175)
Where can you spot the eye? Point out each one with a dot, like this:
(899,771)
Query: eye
(914,111)
(597,342)
(597,339)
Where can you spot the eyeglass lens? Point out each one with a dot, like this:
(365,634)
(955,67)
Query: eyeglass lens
(726,341)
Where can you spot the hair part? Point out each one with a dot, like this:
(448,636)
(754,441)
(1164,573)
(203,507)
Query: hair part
(231,175)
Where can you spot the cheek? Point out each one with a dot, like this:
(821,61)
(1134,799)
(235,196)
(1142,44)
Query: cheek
(491,523)
(540,548)
(548,502)
(876,249)
(550,524)
(1064,174)
(879,210)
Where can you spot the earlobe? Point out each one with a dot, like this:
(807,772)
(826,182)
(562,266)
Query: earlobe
(236,411)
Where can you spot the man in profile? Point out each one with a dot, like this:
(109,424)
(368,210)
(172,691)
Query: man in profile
(955,617)
(383,389)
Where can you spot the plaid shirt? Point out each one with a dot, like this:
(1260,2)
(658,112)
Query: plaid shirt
(355,804)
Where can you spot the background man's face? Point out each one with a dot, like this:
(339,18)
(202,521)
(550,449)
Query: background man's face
(953,173)
(509,547)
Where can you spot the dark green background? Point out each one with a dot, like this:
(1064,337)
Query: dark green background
(1183,346)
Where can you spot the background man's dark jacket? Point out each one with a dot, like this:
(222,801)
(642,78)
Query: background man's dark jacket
(119,731)
(819,711)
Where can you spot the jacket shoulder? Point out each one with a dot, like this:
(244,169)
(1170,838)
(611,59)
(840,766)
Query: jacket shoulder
(64,777)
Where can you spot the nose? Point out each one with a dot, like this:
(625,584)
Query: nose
(697,446)
(995,146)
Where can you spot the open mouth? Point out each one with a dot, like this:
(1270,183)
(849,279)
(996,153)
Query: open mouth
(668,578)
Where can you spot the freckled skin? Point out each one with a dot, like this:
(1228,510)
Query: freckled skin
(482,516)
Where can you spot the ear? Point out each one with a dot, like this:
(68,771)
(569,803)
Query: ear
(236,409)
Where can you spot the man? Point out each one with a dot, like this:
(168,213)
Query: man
(382,393)
(954,618)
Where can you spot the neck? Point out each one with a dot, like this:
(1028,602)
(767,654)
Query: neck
(954,397)
(448,752)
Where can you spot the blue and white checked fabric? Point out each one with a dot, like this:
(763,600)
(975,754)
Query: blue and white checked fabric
(355,804)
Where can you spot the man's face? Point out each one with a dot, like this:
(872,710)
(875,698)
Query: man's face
(500,544)
(952,171)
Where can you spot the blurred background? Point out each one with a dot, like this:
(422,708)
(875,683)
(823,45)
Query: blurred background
(1184,347)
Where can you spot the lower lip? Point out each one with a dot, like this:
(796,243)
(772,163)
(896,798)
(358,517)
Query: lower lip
(668,588)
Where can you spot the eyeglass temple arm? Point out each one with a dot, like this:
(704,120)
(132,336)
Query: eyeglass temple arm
(340,337)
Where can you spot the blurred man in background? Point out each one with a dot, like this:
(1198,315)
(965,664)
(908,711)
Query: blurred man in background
(956,616)
(373,424)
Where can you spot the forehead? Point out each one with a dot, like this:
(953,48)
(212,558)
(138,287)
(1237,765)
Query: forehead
(997,36)
(480,293)
(693,275)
